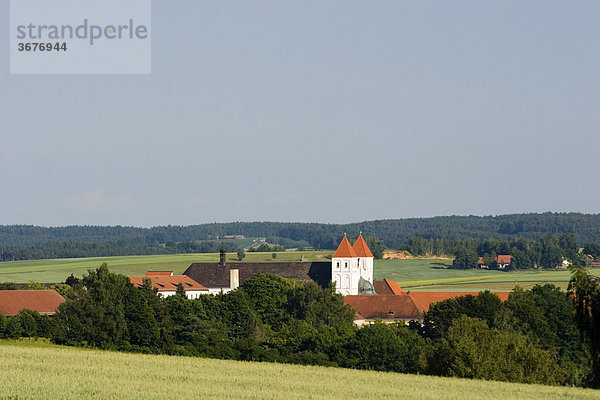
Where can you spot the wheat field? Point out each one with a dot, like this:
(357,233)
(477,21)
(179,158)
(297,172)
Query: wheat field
(42,371)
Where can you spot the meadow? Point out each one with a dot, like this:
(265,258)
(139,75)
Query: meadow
(42,371)
(58,270)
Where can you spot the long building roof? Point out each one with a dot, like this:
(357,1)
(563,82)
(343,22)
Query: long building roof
(384,306)
(214,275)
(168,283)
(43,301)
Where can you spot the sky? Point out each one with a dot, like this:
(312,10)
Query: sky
(315,111)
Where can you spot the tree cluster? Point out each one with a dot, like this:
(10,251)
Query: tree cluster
(78,250)
(548,252)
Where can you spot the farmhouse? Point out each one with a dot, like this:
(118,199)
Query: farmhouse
(503,260)
(45,302)
(166,283)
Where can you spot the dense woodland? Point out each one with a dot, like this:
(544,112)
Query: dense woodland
(544,335)
(394,233)
(444,234)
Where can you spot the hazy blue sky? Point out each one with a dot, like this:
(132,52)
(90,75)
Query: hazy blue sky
(327,111)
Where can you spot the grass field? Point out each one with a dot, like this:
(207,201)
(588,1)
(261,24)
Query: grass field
(58,270)
(41,371)
(434,274)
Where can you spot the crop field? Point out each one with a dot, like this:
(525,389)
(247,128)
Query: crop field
(433,274)
(58,270)
(42,371)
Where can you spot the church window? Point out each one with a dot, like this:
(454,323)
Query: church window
(345,265)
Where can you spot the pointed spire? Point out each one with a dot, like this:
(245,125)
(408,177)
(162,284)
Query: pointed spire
(345,249)
(360,247)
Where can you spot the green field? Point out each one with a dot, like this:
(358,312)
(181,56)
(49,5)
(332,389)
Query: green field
(58,270)
(41,371)
(414,274)
(434,274)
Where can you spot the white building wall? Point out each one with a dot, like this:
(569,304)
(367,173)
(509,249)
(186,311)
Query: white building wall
(345,274)
(190,294)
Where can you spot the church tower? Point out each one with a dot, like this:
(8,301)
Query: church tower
(365,259)
(344,268)
(351,264)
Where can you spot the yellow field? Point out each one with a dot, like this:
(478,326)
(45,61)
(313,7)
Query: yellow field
(41,371)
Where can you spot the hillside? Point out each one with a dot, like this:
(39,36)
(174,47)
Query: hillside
(39,371)
(394,232)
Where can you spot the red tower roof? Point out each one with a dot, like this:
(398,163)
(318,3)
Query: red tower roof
(361,248)
(345,250)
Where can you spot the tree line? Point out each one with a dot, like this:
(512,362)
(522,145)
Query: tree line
(269,318)
(78,250)
(548,252)
(394,233)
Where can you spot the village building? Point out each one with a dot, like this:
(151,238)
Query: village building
(481,263)
(166,283)
(404,306)
(384,307)
(45,302)
(503,260)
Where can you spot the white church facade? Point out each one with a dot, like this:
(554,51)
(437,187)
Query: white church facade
(352,267)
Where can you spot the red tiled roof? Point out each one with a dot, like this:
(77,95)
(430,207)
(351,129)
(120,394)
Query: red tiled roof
(345,250)
(425,299)
(42,301)
(387,286)
(159,273)
(166,283)
(382,287)
(480,261)
(401,307)
(360,248)
(396,289)
(503,259)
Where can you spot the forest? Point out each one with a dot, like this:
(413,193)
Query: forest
(394,232)
(21,242)
(545,335)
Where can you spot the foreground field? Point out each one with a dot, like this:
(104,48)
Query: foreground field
(39,371)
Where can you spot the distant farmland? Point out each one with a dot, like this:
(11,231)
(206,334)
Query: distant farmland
(38,371)
(419,274)
(57,270)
